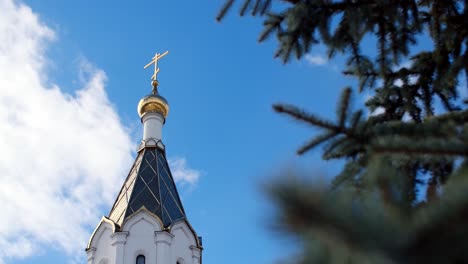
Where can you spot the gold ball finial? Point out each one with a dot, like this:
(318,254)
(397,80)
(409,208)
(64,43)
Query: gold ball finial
(155,84)
(153,103)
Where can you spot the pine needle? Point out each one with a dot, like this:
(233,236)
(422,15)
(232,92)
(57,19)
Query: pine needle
(224,10)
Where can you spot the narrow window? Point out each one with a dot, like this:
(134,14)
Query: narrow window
(140,259)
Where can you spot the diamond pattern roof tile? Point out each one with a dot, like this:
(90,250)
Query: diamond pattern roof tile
(149,184)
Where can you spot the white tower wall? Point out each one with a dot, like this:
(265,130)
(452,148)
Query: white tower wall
(152,125)
(143,234)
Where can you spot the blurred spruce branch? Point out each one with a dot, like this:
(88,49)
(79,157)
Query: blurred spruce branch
(342,227)
(401,195)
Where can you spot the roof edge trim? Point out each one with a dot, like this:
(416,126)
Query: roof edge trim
(103,220)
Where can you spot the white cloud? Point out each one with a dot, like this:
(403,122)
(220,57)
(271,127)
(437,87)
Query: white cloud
(62,156)
(182,173)
(318,60)
(379,110)
(398,83)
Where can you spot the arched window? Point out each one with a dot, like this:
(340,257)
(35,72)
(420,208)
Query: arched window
(140,259)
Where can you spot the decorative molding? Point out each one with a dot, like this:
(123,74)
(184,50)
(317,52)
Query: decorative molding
(163,237)
(144,214)
(119,238)
(90,252)
(151,142)
(195,251)
(104,220)
(184,225)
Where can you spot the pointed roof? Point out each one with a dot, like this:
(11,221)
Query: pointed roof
(150,185)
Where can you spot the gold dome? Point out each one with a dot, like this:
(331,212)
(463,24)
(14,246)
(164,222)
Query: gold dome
(153,103)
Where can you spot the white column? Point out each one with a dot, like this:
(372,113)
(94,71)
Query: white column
(152,125)
(90,253)
(196,254)
(118,241)
(163,240)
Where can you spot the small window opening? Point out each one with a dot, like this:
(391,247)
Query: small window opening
(140,259)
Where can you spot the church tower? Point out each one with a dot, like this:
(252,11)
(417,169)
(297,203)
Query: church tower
(147,223)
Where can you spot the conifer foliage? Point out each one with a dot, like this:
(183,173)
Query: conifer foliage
(402,196)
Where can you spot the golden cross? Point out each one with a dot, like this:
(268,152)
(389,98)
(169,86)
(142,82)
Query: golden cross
(155,59)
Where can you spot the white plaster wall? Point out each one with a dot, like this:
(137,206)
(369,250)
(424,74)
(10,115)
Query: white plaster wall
(104,261)
(152,125)
(143,234)
(102,242)
(182,244)
(140,240)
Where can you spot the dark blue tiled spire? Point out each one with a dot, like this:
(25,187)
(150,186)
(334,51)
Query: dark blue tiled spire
(149,185)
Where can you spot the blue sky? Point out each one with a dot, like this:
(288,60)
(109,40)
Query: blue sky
(81,63)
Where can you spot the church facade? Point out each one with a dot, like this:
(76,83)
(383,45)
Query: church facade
(147,223)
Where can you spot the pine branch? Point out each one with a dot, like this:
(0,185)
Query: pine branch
(256,7)
(343,106)
(355,119)
(313,120)
(245,6)
(333,217)
(425,147)
(445,219)
(227,5)
(315,142)
(348,175)
(373,213)
(301,115)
